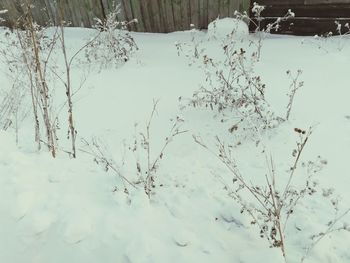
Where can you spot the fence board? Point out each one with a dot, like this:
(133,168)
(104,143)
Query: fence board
(203,14)
(136,9)
(307,27)
(129,15)
(153,15)
(177,14)
(162,16)
(281,2)
(168,11)
(224,8)
(322,11)
(145,16)
(185,14)
(195,16)
(317,2)
(233,6)
(213,10)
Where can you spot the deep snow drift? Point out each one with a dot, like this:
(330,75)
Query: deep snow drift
(64,210)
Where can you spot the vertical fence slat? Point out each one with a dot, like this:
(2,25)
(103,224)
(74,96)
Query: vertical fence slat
(246,5)
(136,9)
(97,9)
(154,9)
(87,13)
(186,14)
(149,15)
(177,14)
(194,4)
(224,8)
(68,15)
(128,13)
(145,16)
(106,7)
(162,16)
(168,15)
(213,10)
(234,5)
(118,7)
(39,13)
(51,10)
(203,13)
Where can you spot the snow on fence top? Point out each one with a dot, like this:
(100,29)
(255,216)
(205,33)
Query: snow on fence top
(152,15)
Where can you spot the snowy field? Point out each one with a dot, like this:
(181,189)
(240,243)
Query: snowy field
(72,210)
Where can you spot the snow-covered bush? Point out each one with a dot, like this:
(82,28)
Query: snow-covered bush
(272,201)
(220,28)
(148,159)
(27,53)
(14,106)
(142,155)
(293,88)
(113,45)
(30,52)
(232,87)
(330,41)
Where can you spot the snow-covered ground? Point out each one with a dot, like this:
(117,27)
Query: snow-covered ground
(71,210)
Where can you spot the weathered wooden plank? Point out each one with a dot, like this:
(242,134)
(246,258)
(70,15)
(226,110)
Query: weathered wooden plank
(150,16)
(203,14)
(158,27)
(224,7)
(213,10)
(162,16)
(233,7)
(98,10)
(307,26)
(280,2)
(169,17)
(136,10)
(82,17)
(316,2)
(185,14)
(39,13)
(194,8)
(129,13)
(91,9)
(246,5)
(176,4)
(67,14)
(145,16)
(51,10)
(322,11)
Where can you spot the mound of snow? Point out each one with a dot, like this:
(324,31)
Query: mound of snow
(222,27)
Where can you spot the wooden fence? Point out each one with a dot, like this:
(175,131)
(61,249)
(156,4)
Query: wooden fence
(153,15)
(311,16)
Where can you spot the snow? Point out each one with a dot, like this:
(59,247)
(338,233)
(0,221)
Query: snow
(220,28)
(64,210)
